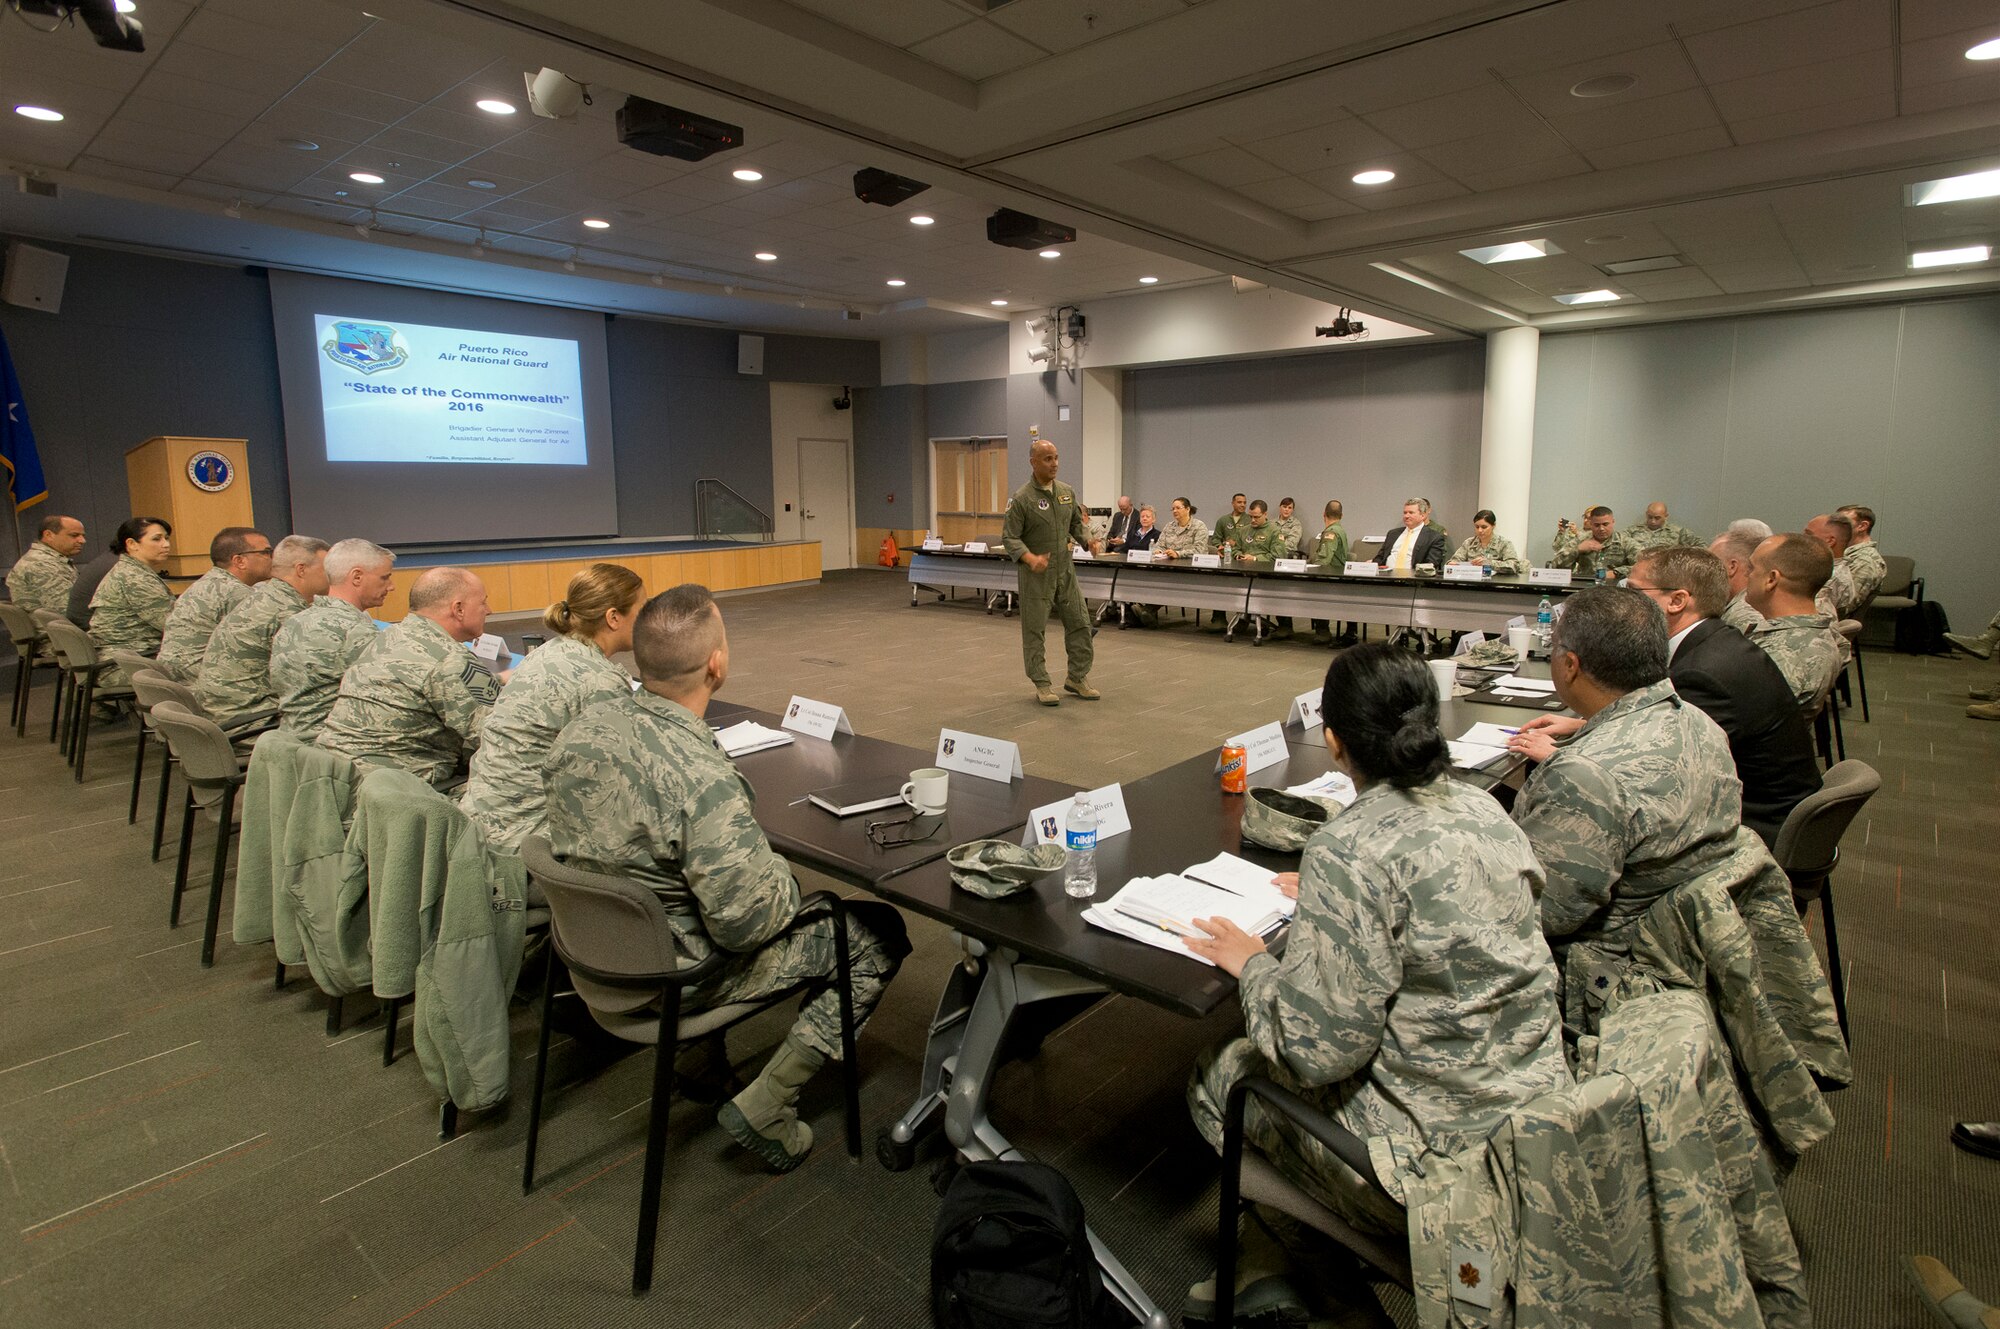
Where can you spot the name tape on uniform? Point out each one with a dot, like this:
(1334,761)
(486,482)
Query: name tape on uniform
(1262,746)
(816,718)
(1464,571)
(1305,710)
(1109,803)
(1288,565)
(1549,576)
(1366,567)
(1207,560)
(971,754)
(975,546)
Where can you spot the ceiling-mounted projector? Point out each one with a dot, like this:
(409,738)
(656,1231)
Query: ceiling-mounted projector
(668,131)
(872,184)
(554,95)
(1017,230)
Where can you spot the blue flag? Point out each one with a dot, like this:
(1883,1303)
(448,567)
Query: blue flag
(20,464)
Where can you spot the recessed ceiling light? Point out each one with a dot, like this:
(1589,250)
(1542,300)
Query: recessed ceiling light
(597,223)
(1051,253)
(765,256)
(897,281)
(1657,263)
(482,184)
(1955,188)
(1374,177)
(1147,281)
(1588,298)
(1946,258)
(299,144)
(1511,252)
(1604,85)
(998,304)
(364,177)
(744,173)
(921,219)
(494,106)
(38,113)
(1989,50)
(126,6)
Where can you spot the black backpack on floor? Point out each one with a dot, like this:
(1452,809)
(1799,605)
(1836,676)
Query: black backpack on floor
(1920,629)
(1009,1252)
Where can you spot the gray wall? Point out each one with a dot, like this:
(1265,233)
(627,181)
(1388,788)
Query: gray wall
(1782,416)
(147,345)
(893,427)
(1370,428)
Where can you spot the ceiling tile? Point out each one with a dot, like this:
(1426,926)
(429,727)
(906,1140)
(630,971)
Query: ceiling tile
(897,22)
(1616,120)
(1287,194)
(127,174)
(1684,144)
(1064,25)
(1942,60)
(1938,18)
(1555,168)
(1661,69)
(978,50)
(1786,41)
(1761,275)
(1879,104)
(1456,116)
(1496,151)
(1230,167)
(1329,144)
(1804,86)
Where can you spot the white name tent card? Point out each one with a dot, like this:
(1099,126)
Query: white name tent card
(1207,560)
(975,546)
(1366,567)
(487,647)
(1262,746)
(933,543)
(1139,556)
(1333,785)
(817,718)
(972,754)
(1518,621)
(1288,565)
(1112,819)
(1464,571)
(1082,556)
(1305,710)
(1549,576)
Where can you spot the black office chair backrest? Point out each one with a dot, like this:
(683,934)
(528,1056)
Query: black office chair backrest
(1809,842)
(615,928)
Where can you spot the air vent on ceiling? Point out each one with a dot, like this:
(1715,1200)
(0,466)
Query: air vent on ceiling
(990,5)
(1659,264)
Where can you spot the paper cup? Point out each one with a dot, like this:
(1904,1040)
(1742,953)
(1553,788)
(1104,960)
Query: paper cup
(1445,673)
(1520,639)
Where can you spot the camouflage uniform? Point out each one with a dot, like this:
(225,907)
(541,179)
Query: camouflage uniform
(1806,650)
(415,700)
(1641,799)
(1673,533)
(1500,555)
(638,788)
(1841,596)
(1618,554)
(192,622)
(127,613)
(555,684)
(41,580)
(235,679)
(1229,529)
(1044,521)
(1866,568)
(1184,540)
(308,658)
(1739,615)
(1291,534)
(1331,550)
(1416,999)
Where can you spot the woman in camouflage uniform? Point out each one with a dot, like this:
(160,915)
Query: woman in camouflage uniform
(1183,535)
(1490,550)
(129,610)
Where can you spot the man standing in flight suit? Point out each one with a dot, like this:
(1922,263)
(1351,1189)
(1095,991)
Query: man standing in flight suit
(1041,521)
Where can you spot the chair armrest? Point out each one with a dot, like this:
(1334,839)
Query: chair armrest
(1916,591)
(1345,1145)
(251,726)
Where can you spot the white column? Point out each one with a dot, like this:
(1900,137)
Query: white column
(1507,430)
(1103,468)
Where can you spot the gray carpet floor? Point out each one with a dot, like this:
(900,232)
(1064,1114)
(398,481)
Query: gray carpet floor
(180,1145)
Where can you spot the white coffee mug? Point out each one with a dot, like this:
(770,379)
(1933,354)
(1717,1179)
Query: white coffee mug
(1445,674)
(927,789)
(1519,639)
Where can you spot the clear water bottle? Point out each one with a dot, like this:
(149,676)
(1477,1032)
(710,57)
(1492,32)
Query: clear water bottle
(1544,623)
(1080,840)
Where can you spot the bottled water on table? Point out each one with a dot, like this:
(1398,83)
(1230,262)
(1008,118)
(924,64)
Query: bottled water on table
(1080,841)
(1544,623)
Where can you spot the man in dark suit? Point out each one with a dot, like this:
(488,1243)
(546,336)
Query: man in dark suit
(1124,521)
(1734,681)
(1417,543)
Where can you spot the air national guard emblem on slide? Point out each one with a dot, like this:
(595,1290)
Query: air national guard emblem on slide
(368,347)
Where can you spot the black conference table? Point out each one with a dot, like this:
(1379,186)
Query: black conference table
(1035,946)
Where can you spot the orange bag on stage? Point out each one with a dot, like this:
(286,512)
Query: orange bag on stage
(888,555)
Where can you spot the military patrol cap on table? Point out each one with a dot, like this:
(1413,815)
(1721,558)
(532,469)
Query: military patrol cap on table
(1278,820)
(1494,652)
(996,869)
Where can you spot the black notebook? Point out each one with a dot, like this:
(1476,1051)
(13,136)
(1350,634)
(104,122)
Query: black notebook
(844,800)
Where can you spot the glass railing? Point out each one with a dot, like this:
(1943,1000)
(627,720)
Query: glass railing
(720,513)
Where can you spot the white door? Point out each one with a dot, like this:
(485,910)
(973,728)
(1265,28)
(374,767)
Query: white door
(826,500)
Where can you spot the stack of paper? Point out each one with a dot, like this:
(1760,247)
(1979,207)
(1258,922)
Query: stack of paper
(1513,685)
(1160,911)
(748,736)
(1480,746)
(1332,785)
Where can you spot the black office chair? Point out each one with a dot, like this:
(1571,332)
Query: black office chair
(614,938)
(1808,849)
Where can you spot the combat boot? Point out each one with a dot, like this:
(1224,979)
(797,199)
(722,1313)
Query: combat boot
(1081,687)
(1046,694)
(1987,694)
(764,1118)
(1981,646)
(1985,710)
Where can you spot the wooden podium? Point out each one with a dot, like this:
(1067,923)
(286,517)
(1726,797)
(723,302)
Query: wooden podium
(182,481)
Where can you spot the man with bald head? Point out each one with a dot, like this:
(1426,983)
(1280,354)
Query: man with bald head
(1841,596)
(1656,532)
(416,698)
(43,576)
(1042,520)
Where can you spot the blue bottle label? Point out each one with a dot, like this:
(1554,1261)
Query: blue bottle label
(1081,839)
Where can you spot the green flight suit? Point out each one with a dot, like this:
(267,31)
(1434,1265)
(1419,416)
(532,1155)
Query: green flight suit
(1044,521)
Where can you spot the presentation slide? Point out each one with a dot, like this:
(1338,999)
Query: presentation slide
(409,392)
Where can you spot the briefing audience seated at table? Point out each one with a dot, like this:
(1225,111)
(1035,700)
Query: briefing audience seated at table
(234,682)
(311,653)
(638,787)
(240,559)
(129,608)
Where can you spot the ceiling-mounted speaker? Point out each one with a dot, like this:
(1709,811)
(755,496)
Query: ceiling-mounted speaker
(749,354)
(34,277)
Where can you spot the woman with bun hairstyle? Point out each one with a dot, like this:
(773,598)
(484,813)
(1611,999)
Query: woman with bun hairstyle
(1416,1001)
(558,681)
